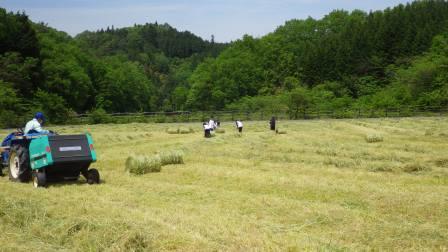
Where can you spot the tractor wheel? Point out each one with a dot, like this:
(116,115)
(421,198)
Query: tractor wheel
(39,178)
(19,164)
(93,176)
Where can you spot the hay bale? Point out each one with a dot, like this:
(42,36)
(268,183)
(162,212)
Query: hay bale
(186,130)
(429,132)
(140,165)
(220,131)
(374,138)
(172,131)
(171,157)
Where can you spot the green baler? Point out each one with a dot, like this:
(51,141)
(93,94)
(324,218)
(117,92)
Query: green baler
(50,158)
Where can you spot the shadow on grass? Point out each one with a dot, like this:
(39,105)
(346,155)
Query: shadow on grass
(79,182)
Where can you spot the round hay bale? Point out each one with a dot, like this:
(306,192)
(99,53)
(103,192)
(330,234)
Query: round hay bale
(172,131)
(140,165)
(171,157)
(373,138)
(220,131)
(185,131)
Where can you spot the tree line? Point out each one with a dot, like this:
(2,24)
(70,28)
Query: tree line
(114,70)
(356,59)
(346,59)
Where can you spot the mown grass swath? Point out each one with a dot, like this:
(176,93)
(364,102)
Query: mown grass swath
(321,186)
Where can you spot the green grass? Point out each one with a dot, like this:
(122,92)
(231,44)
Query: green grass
(321,186)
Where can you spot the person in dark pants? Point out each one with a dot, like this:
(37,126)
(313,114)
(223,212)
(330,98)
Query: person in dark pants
(239,125)
(207,133)
(272,123)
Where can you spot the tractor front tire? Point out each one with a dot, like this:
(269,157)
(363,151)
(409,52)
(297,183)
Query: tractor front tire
(93,176)
(19,164)
(39,178)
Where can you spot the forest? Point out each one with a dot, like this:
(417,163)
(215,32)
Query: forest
(394,57)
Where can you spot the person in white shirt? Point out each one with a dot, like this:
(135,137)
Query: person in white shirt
(239,125)
(211,124)
(35,126)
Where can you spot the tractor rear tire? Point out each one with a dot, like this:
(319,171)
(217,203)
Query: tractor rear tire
(39,178)
(19,164)
(93,176)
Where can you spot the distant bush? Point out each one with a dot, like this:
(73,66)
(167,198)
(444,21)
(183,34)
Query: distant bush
(374,138)
(98,116)
(140,165)
(171,157)
(160,119)
(53,105)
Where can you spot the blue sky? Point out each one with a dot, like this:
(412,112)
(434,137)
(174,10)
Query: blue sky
(226,19)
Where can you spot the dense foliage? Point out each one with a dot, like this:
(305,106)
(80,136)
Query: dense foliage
(380,59)
(142,68)
(345,59)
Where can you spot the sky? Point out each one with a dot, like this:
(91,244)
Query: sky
(227,20)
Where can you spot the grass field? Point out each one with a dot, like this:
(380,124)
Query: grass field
(320,186)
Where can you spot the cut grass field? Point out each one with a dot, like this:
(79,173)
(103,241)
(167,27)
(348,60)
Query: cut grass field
(320,186)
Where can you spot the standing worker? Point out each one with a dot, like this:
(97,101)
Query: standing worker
(207,133)
(239,125)
(272,123)
(212,124)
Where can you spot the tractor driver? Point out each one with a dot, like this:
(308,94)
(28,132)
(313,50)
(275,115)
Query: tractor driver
(35,126)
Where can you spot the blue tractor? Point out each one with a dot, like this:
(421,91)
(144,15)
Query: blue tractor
(48,158)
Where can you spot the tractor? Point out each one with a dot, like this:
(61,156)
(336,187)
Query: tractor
(48,158)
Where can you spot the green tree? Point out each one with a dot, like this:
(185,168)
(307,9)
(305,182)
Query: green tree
(297,100)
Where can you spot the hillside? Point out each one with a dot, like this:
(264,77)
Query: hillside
(346,59)
(140,68)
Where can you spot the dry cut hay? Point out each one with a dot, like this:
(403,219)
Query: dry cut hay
(281,132)
(185,130)
(171,157)
(172,131)
(180,130)
(140,165)
(374,138)
(442,162)
(416,167)
(220,131)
